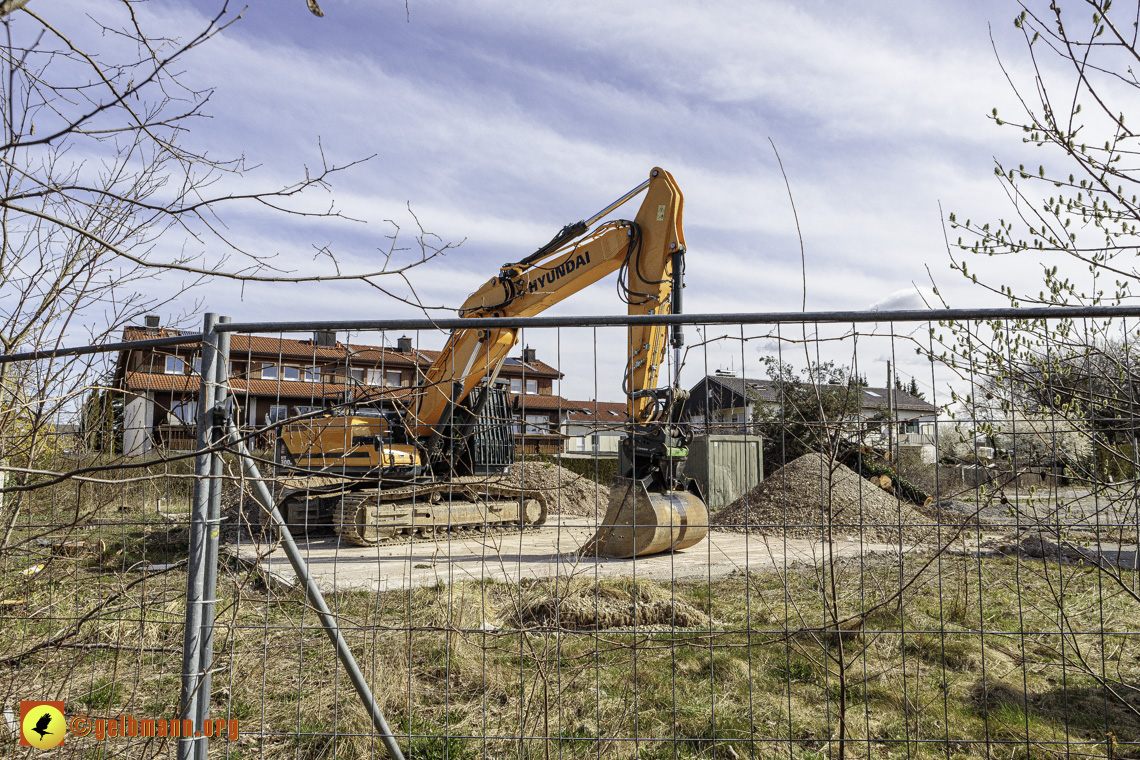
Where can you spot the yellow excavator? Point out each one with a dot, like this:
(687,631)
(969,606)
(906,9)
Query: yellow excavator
(432,463)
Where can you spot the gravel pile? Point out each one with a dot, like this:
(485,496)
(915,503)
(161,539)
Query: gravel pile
(796,500)
(566,492)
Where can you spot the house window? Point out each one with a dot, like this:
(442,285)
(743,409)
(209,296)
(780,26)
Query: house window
(183,412)
(516,385)
(197,365)
(276,413)
(595,441)
(537,423)
(532,386)
(175,366)
(268,371)
(357,374)
(312,374)
(290,373)
(392,377)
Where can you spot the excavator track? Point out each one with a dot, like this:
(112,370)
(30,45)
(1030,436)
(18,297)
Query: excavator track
(423,512)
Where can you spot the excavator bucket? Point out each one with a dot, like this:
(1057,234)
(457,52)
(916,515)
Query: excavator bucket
(640,522)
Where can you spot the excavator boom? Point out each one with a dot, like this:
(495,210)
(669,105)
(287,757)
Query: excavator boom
(649,249)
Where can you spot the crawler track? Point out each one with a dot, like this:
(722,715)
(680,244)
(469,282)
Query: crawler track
(435,511)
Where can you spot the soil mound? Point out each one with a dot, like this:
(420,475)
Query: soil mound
(566,492)
(801,498)
(591,608)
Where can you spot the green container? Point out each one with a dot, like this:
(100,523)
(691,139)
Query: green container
(725,466)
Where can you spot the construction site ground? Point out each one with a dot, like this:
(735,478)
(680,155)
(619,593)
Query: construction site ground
(544,552)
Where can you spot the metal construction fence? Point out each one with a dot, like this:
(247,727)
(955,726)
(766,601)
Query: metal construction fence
(922,541)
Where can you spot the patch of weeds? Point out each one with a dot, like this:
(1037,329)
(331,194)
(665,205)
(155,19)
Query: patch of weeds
(104,694)
(583,737)
(428,741)
(314,739)
(242,710)
(793,669)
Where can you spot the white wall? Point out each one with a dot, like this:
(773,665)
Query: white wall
(138,419)
(579,439)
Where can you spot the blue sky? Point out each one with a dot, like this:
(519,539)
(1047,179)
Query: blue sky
(499,122)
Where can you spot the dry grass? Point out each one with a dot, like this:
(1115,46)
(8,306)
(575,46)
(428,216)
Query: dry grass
(733,667)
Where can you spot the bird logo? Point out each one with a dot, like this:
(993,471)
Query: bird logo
(42,724)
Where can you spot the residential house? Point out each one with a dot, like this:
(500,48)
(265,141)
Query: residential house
(726,403)
(594,427)
(273,377)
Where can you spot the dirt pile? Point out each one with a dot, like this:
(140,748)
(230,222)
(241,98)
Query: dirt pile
(566,492)
(799,499)
(594,608)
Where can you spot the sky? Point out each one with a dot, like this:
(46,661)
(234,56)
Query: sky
(492,124)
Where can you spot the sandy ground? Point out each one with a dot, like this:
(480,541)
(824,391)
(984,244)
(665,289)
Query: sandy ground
(551,550)
(541,553)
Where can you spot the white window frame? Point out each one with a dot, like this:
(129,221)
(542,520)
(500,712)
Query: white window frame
(394,378)
(356,373)
(516,385)
(375,377)
(174,365)
(287,370)
(185,410)
(269,372)
(532,387)
(276,413)
(312,374)
(534,420)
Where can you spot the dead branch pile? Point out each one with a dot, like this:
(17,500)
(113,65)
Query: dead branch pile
(800,499)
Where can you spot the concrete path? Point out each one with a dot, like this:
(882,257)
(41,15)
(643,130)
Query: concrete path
(541,553)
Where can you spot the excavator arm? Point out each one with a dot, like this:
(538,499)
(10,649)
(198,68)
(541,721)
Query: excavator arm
(653,506)
(648,250)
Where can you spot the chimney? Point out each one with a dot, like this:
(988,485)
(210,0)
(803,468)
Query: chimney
(404,345)
(528,355)
(151,321)
(324,338)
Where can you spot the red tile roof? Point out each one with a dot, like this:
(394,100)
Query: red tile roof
(536,402)
(597,411)
(345,354)
(290,348)
(138,382)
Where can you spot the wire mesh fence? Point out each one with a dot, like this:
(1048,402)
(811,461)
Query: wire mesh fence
(921,541)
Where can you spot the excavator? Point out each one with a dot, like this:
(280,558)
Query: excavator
(431,464)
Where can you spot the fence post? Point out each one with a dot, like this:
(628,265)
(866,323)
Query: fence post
(215,421)
(196,564)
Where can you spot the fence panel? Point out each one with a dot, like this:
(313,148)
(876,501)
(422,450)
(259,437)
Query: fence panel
(937,554)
